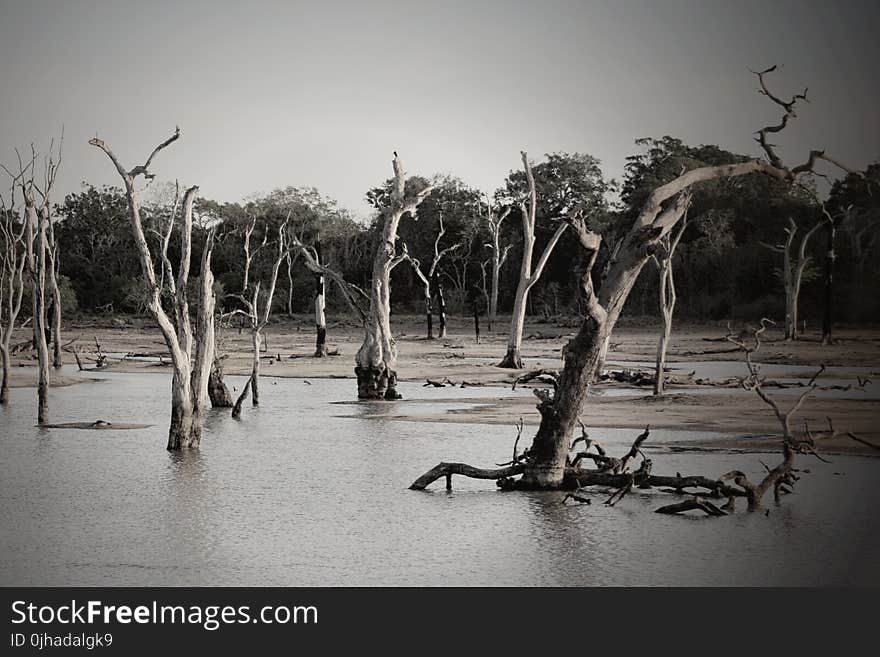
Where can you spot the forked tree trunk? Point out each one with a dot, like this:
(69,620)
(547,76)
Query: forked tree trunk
(585,353)
(792,274)
(498,256)
(376,360)
(320,318)
(192,356)
(668,298)
(527,277)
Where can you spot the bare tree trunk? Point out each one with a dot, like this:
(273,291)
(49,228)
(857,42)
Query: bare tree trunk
(792,273)
(52,270)
(191,356)
(376,360)
(830,259)
(320,318)
(4,379)
(662,344)
(494,220)
(255,368)
(668,298)
(13,261)
(527,277)
(441,303)
(36,244)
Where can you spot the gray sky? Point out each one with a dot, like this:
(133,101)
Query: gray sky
(319,93)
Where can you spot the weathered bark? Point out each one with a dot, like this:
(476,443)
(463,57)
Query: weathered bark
(376,360)
(218,392)
(192,355)
(52,251)
(320,318)
(527,276)
(12,266)
(35,242)
(431,283)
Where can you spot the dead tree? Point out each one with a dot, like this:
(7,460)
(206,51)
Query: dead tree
(192,349)
(12,266)
(663,260)
(793,272)
(376,360)
(527,275)
(494,218)
(432,285)
(546,466)
(782,477)
(257,318)
(38,209)
(352,294)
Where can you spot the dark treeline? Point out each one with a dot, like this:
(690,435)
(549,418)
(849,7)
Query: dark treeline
(726,263)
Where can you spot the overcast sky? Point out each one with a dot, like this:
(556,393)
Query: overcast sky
(319,94)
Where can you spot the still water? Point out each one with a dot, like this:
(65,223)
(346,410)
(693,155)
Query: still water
(302,491)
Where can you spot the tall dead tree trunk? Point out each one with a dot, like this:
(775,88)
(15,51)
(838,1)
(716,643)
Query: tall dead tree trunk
(52,271)
(494,219)
(37,216)
(793,273)
(320,317)
(431,283)
(668,297)
(12,266)
(527,276)
(259,319)
(192,353)
(376,360)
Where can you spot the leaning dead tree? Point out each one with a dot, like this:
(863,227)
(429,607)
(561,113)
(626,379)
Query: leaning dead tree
(257,318)
(376,360)
(619,473)
(545,466)
(494,219)
(191,347)
(793,272)
(12,266)
(432,285)
(663,259)
(527,275)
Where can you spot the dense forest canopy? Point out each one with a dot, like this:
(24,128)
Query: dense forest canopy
(726,272)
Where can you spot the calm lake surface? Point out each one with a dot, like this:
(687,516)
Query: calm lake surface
(302,491)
